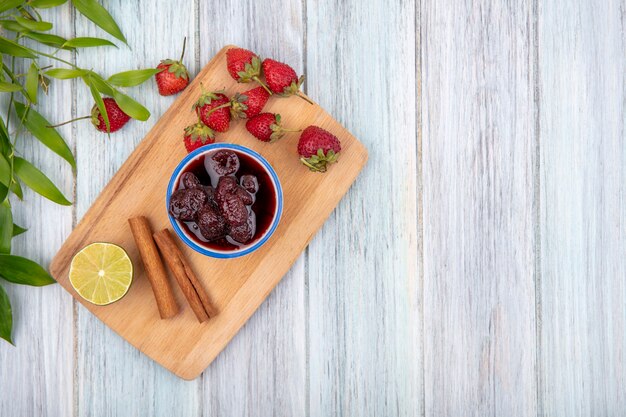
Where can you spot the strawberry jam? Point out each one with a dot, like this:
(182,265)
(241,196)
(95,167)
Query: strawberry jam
(237,203)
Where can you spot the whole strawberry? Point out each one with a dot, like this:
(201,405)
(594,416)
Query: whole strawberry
(244,66)
(212,109)
(117,118)
(282,79)
(197,135)
(318,148)
(174,76)
(266,127)
(249,103)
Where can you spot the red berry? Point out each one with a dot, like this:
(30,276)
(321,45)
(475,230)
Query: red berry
(318,148)
(174,76)
(266,127)
(243,65)
(173,79)
(282,79)
(197,135)
(117,118)
(249,103)
(218,120)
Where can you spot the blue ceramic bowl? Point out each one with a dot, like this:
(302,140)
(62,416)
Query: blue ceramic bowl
(181,229)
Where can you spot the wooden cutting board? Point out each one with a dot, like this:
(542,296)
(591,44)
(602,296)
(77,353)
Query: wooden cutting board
(237,286)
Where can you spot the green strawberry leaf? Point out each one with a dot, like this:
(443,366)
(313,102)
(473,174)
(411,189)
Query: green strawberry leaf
(6,316)
(6,227)
(32,82)
(33,24)
(9,4)
(38,182)
(11,48)
(38,126)
(131,107)
(23,271)
(65,74)
(86,42)
(46,4)
(93,11)
(132,78)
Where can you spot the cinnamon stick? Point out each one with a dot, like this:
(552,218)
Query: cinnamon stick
(189,283)
(166,303)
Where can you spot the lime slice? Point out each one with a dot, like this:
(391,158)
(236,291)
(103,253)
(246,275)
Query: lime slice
(101,273)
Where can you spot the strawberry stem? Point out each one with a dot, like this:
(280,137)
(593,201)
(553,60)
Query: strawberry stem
(69,121)
(221,106)
(303,97)
(262,84)
(311,167)
(183,54)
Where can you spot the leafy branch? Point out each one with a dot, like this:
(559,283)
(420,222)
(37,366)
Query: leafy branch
(21,26)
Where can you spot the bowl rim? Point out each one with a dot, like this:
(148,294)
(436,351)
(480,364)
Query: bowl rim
(245,249)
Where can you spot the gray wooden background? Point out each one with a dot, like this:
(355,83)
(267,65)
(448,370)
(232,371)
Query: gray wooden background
(476,267)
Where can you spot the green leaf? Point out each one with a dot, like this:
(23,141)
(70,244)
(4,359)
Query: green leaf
(131,107)
(132,78)
(38,182)
(38,126)
(65,74)
(101,85)
(5,142)
(6,316)
(88,42)
(5,175)
(23,271)
(93,11)
(9,4)
(99,102)
(47,39)
(46,4)
(11,48)
(6,228)
(13,26)
(4,192)
(18,230)
(33,24)
(32,82)
(9,87)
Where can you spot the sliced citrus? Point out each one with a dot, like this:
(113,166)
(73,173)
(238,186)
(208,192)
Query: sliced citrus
(101,273)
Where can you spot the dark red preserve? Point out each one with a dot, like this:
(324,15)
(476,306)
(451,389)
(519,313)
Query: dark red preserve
(225,199)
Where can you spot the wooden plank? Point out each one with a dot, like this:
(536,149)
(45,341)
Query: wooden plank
(36,375)
(238,286)
(582,217)
(112,377)
(478,145)
(263,370)
(364,292)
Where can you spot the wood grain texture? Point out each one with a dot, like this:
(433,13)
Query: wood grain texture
(478,159)
(36,375)
(238,286)
(263,370)
(583,211)
(364,296)
(112,377)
